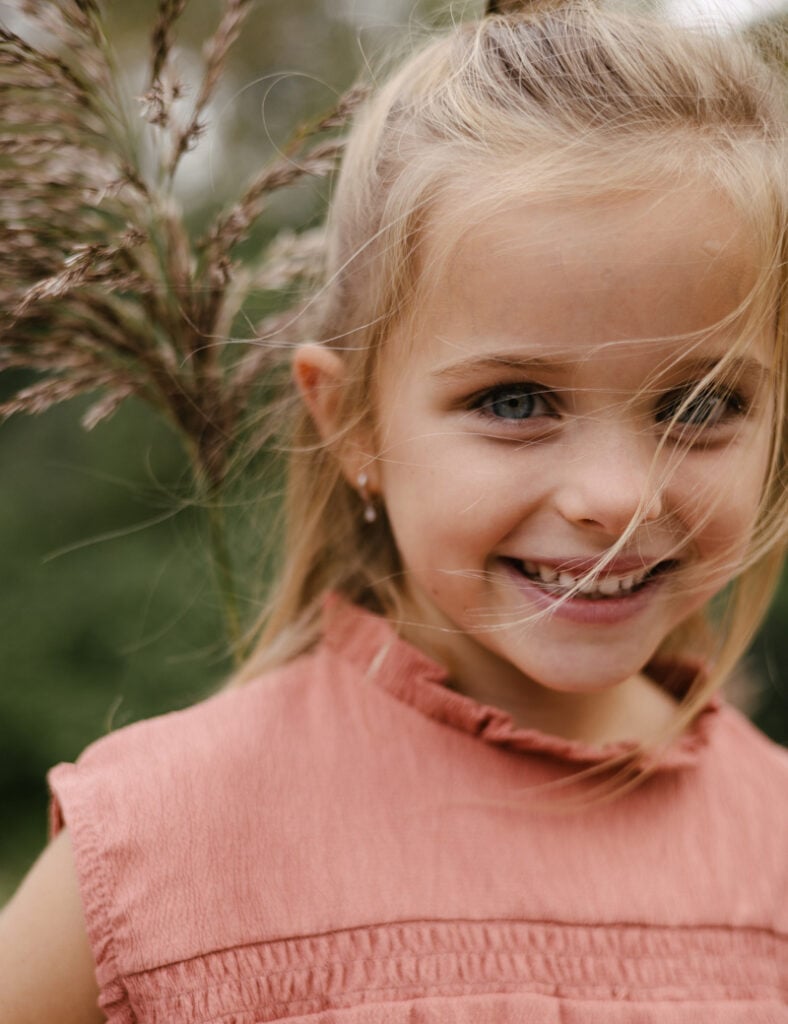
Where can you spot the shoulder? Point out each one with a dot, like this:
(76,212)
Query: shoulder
(157,810)
(748,771)
(212,737)
(156,775)
(289,715)
(744,809)
(751,755)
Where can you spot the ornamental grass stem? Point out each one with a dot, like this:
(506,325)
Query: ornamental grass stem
(225,576)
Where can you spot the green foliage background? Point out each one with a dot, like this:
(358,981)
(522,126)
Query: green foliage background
(108,609)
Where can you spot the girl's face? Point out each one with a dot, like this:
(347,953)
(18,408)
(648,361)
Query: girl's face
(527,419)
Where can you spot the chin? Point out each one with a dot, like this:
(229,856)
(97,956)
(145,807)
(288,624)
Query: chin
(591,673)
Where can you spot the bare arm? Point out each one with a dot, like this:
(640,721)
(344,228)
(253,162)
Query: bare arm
(46,966)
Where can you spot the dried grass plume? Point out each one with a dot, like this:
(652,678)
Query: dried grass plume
(102,287)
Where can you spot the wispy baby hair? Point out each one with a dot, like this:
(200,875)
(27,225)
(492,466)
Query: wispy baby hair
(541,101)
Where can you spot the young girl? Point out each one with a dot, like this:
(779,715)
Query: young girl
(477,771)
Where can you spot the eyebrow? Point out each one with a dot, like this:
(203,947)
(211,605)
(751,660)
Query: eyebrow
(466,367)
(746,367)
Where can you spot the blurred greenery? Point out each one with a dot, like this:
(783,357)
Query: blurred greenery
(108,609)
(110,630)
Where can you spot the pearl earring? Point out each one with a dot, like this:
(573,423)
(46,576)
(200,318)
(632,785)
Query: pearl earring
(370,512)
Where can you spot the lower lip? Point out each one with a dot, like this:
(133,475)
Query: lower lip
(604,611)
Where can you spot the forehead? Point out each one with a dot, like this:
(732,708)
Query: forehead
(571,277)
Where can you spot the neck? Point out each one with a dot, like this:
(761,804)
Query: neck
(637,709)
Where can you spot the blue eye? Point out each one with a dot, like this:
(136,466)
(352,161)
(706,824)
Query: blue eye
(512,402)
(707,408)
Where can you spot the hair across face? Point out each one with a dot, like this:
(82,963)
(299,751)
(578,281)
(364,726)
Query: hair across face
(571,442)
(640,138)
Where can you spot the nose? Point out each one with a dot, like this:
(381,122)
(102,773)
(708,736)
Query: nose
(609,480)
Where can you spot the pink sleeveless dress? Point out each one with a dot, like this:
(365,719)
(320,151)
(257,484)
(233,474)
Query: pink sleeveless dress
(349,841)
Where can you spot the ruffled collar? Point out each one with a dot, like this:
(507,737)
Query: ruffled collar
(370,642)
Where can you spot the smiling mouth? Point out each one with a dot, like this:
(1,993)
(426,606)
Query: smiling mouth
(560,583)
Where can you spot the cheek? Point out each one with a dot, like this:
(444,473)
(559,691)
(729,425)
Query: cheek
(719,504)
(453,491)
(447,503)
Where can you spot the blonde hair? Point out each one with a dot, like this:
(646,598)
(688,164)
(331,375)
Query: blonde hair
(552,100)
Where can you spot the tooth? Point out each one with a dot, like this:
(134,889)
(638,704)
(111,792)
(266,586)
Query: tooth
(628,582)
(531,568)
(547,574)
(587,586)
(566,580)
(608,586)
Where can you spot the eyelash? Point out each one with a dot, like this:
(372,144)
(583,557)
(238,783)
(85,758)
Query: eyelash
(669,411)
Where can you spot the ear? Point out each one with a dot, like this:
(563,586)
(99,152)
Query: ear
(320,377)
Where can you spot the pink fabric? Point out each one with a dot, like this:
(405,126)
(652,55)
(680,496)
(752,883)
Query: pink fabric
(348,841)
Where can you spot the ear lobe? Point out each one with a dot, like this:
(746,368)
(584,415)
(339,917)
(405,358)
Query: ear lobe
(319,375)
